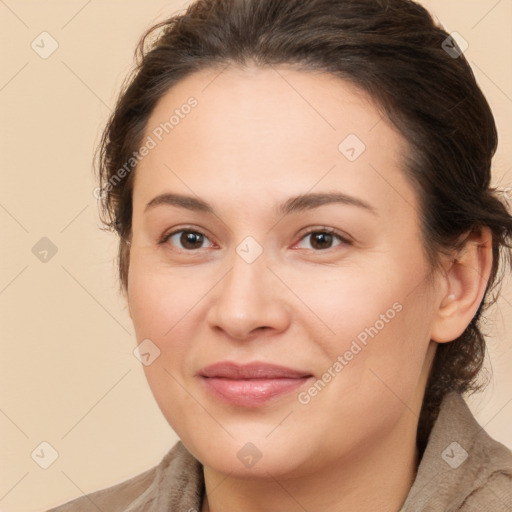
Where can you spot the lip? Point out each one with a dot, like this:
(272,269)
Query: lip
(255,370)
(251,385)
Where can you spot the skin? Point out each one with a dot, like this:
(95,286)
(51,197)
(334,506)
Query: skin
(256,138)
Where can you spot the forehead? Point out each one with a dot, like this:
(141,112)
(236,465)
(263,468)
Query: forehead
(270,131)
(261,101)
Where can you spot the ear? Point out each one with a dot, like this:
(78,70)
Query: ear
(124,261)
(464,286)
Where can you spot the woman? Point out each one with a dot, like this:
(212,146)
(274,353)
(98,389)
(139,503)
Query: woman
(308,239)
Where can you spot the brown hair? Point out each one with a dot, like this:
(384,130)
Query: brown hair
(393,50)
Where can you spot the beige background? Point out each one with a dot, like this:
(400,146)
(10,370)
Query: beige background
(68,375)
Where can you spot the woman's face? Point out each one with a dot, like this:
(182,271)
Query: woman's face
(332,286)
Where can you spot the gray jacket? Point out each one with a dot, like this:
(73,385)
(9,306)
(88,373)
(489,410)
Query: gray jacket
(462,469)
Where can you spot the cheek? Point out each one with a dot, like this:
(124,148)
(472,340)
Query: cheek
(372,328)
(159,299)
(161,308)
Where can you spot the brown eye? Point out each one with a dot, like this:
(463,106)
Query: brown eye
(186,239)
(323,239)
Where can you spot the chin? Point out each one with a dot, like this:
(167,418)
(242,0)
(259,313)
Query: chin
(258,458)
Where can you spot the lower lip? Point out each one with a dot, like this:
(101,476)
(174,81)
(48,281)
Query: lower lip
(251,392)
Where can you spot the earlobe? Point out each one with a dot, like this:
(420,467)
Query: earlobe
(466,281)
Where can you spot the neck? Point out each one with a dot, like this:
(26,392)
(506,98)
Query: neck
(379,477)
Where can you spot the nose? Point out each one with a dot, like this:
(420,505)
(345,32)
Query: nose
(249,299)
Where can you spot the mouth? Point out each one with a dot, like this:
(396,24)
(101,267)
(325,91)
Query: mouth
(252,384)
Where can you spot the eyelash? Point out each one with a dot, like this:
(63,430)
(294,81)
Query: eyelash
(344,239)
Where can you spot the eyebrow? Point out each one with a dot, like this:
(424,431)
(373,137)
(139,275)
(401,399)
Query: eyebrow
(293,204)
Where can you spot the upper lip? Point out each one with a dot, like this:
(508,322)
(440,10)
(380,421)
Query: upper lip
(255,370)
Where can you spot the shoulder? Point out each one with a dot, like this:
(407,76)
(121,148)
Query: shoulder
(493,494)
(484,478)
(112,499)
(463,469)
(176,477)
